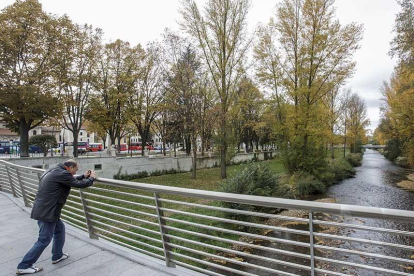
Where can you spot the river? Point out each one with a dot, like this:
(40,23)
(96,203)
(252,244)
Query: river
(375,185)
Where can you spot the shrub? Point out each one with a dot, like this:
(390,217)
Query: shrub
(307,184)
(355,159)
(340,169)
(255,179)
(143,174)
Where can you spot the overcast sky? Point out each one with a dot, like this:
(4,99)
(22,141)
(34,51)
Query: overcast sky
(140,21)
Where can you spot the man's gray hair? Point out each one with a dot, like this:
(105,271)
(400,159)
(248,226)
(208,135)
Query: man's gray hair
(70,163)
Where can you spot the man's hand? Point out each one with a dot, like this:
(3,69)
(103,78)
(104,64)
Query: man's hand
(87,174)
(93,174)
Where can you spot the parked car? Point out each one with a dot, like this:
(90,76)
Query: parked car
(35,149)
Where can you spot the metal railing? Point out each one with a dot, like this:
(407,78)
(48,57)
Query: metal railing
(230,234)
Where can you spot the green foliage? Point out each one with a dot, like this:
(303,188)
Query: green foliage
(256,179)
(307,184)
(143,174)
(44,141)
(355,159)
(28,50)
(392,149)
(313,162)
(338,170)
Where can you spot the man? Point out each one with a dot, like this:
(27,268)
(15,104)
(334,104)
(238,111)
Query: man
(54,189)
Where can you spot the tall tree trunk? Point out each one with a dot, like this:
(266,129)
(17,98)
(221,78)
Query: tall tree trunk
(194,167)
(75,142)
(332,151)
(24,137)
(223,150)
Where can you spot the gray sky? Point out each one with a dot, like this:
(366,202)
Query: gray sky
(140,21)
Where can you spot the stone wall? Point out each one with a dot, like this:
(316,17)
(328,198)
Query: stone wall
(107,167)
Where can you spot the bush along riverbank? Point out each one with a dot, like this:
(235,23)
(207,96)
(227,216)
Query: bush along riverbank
(257,179)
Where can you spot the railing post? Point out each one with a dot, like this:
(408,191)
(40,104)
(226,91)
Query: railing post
(311,243)
(11,182)
(87,216)
(26,202)
(163,232)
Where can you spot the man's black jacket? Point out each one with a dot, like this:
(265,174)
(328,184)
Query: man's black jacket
(54,188)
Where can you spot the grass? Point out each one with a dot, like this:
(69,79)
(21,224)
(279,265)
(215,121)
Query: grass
(207,179)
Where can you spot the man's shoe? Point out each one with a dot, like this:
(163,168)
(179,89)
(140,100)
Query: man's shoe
(29,270)
(64,257)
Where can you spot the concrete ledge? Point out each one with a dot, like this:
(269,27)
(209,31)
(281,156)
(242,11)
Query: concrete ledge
(129,254)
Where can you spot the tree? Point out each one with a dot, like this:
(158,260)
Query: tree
(76,73)
(28,54)
(314,56)
(336,102)
(357,122)
(115,82)
(184,90)
(222,37)
(44,141)
(402,45)
(146,95)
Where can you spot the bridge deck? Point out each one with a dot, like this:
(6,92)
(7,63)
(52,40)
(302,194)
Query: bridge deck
(87,257)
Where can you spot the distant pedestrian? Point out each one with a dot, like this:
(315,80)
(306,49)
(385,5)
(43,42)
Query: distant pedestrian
(54,189)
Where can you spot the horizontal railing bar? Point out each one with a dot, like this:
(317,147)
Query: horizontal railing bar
(344,238)
(121,208)
(246,264)
(213,264)
(239,253)
(239,233)
(27,188)
(366,254)
(372,268)
(250,224)
(128,239)
(127,224)
(124,216)
(77,221)
(191,267)
(21,167)
(72,215)
(6,188)
(30,180)
(75,209)
(259,247)
(121,193)
(235,211)
(130,246)
(328,272)
(126,231)
(341,209)
(74,202)
(29,174)
(363,227)
(34,187)
(74,197)
(122,201)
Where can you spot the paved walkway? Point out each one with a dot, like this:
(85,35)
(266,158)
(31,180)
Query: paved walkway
(87,257)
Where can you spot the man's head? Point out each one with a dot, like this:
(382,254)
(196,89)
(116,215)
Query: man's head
(71,166)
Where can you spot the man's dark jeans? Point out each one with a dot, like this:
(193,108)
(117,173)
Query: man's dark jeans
(47,231)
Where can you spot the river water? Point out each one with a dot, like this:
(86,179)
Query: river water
(374,185)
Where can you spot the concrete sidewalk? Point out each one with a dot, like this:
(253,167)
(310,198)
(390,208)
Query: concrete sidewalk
(87,257)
